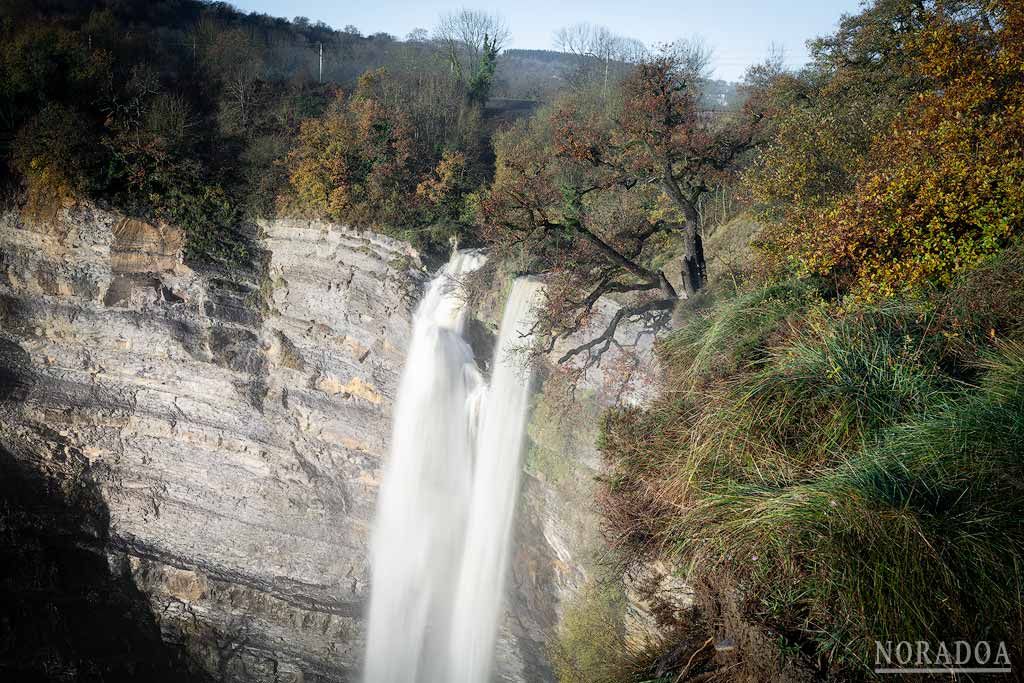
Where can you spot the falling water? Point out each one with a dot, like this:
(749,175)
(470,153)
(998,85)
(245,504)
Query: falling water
(444,516)
(495,484)
(420,523)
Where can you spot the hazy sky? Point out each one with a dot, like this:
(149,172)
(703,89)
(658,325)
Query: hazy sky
(739,31)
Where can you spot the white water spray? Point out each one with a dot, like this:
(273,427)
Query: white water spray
(440,544)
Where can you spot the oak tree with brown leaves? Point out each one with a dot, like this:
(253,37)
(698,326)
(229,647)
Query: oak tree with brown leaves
(593,198)
(917,175)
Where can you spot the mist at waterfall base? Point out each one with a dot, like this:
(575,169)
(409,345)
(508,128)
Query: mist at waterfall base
(444,519)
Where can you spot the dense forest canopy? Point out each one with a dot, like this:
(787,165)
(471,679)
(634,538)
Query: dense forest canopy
(198,114)
(888,163)
(186,111)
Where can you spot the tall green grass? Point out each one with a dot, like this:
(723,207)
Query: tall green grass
(712,343)
(916,535)
(858,471)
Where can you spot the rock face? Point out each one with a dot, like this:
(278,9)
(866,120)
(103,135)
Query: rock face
(232,426)
(557,547)
(199,454)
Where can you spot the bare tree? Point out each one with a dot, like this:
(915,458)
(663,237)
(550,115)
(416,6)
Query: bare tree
(600,47)
(692,57)
(240,69)
(632,51)
(231,57)
(466,35)
(418,35)
(772,67)
(576,39)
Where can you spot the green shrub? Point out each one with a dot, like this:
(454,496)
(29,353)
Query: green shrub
(164,185)
(591,644)
(56,155)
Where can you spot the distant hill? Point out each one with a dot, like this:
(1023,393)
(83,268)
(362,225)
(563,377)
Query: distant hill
(540,74)
(532,74)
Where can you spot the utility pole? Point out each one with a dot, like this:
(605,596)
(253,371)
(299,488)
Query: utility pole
(321,62)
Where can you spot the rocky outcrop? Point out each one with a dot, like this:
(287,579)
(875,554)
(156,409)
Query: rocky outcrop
(232,424)
(557,545)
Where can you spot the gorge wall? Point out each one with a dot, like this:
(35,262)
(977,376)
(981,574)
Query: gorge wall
(232,425)
(211,445)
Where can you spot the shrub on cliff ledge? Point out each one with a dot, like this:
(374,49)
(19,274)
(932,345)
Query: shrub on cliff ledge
(56,156)
(591,646)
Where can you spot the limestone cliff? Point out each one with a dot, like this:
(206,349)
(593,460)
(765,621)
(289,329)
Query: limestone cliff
(190,460)
(231,424)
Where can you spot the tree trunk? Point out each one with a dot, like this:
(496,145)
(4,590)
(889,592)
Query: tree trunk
(698,258)
(695,269)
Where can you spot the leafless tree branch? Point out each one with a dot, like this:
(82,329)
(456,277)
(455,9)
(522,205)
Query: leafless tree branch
(597,346)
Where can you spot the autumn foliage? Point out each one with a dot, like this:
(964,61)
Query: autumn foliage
(936,189)
(593,194)
(351,164)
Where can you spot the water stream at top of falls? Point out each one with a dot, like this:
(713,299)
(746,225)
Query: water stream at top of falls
(444,517)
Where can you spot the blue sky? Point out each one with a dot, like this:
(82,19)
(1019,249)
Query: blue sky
(740,32)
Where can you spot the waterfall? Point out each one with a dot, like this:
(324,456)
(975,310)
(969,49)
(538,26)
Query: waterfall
(495,486)
(418,534)
(440,544)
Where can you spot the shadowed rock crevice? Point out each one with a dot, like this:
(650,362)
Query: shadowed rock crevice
(68,612)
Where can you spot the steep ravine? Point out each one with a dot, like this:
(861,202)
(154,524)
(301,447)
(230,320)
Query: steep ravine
(218,440)
(191,459)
